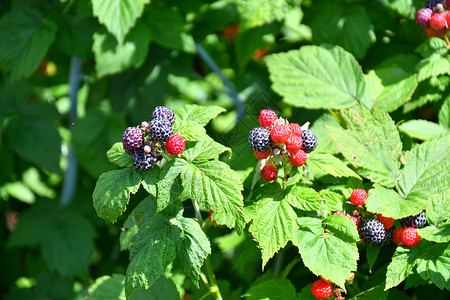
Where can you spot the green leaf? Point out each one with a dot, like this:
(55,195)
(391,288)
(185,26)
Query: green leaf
(193,246)
(390,204)
(112,192)
(372,255)
(107,287)
(303,77)
(426,171)
(328,247)
(405,8)
(432,262)
(163,288)
(26,36)
(371,143)
(167,27)
(375,293)
(154,250)
(190,120)
(422,129)
(433,65)
(304,198)
(438,217)
(444,113)
(27,130)
(275,224)
(118,156)
(391,95)
(272,289)
(215,186)
(112,57)
(119,16)
(169,185)
(104,129)
(128,233)
(150,179)
(354,31)
(204,150)
(333,201)
(329,164)
(255,13)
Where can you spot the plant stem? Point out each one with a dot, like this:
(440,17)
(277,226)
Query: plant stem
(214,288)
(70,176)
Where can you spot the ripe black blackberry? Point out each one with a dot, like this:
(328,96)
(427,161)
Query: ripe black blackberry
(417,221)
(160,130)
(387,238)
(373,232)
(259,139)
(164,113)
(432,3)
(309,140)
(142,162)
(132,139)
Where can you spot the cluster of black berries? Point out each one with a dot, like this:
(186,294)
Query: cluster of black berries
(276,136)
(435,18)
(146,141)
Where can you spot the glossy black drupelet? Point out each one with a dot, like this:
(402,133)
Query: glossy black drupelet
(142,162)
(160,130)
(417,221)
(432,3)
(373,232)
(259,139)
(162,112)
(309,140)
(387,238)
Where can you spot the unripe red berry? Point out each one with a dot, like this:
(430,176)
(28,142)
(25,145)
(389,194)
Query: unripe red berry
(321,289)
(280,134)
(294,143)
(423,17)
(387,222)
(295,129)
(410,237)
(397,235)
(175,145)
(267,117)
(298,158)
(437,21)
(262,155)
(269,172)
(358,197)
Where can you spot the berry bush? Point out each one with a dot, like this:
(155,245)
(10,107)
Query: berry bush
(202,150)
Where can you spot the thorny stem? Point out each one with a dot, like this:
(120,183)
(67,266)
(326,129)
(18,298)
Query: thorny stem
(213,287)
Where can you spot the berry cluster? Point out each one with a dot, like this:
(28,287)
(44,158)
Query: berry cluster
(147,141)
(276,139)
(435,18)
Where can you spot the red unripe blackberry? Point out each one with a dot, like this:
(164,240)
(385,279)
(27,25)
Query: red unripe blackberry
(437,21)
(259,139)
(355,221)
(298,158)
(162,112)
(176,144)
(132,139)
(423,17)
(269,172)
(160,130)
(262,155)
(410,237)
(397,235)
(387,222)
(267,117)
(447,18)
(321,289)
(358,197)
(280,134)
(295,129)
(435,33)
(294,143)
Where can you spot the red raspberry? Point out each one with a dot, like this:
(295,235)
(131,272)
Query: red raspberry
(269,172)
(355,220)
(321,289)
(447,17)
(397,235)
(437,21)
(294,143)
(261,155)
(435,33)
(298,158)
(423,17)
(295,129)
(387,222)
(410,237)
(175,145)
(358,197)
(280,134)
(267,117)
